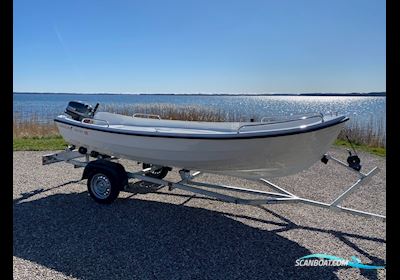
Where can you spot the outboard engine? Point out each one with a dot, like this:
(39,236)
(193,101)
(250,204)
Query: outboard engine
(79,110)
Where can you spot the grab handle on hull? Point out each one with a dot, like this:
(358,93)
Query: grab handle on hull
(91,121)
(263,122)
(294,118)
(148,116)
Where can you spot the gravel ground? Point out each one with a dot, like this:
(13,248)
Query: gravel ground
(61,233)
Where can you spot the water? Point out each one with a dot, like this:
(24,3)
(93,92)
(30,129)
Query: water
(365,110)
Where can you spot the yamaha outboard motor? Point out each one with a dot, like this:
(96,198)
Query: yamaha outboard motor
(79,110)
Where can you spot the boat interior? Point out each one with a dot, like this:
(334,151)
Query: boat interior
(153,123)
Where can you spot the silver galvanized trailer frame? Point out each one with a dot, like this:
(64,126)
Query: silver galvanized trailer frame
(187,183)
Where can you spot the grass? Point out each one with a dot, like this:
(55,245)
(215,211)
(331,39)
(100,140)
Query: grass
(379,151)
(45,143)
(36,135)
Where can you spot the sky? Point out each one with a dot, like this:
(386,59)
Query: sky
(199,46)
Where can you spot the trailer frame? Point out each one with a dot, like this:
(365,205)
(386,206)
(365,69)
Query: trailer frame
(187,183)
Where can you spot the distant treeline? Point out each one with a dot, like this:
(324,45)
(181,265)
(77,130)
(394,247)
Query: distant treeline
(227,94)
(346,94)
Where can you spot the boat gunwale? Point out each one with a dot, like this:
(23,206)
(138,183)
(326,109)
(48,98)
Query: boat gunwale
(241,135)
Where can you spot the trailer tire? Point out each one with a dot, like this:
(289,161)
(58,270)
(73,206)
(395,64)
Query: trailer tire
(103,187)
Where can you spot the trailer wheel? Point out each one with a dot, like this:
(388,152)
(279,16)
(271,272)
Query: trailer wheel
(158,173)
(103,187)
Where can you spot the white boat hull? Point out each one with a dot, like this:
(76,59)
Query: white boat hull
(249,157)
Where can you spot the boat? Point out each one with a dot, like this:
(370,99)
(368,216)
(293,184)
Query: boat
(250,150)
(267,148)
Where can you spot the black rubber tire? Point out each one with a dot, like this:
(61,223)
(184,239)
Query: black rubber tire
(159,173)
(114,187)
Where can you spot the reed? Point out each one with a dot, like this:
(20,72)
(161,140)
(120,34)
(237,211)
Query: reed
(168,111)
(371,135)
(33,127)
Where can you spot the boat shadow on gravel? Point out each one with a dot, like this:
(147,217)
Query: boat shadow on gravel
(138,239)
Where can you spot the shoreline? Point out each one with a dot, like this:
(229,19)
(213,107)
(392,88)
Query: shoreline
(34,135)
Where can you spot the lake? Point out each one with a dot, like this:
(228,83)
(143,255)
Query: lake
(363,110)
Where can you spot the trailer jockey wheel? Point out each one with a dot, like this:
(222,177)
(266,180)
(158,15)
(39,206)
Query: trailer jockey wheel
(354,162)
(158,173)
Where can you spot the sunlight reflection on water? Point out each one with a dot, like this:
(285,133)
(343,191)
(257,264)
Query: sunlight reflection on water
(364,110)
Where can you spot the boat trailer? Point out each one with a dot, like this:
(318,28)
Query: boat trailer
(107,178)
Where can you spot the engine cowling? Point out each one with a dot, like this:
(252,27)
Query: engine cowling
(79,110)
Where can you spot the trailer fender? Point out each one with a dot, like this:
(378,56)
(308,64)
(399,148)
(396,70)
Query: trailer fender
(104,165)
